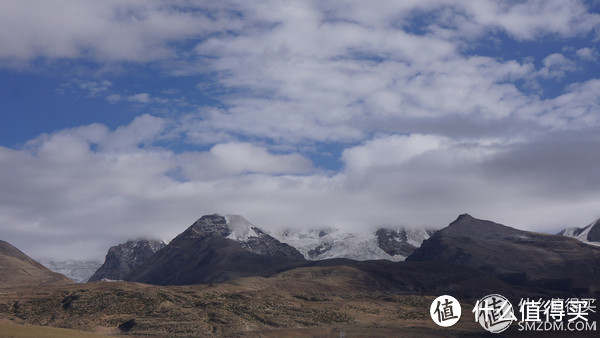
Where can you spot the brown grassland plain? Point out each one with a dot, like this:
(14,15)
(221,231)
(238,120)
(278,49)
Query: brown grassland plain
(316,301)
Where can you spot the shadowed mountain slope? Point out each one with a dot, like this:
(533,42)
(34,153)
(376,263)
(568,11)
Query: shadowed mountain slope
(518,257)
(123,258)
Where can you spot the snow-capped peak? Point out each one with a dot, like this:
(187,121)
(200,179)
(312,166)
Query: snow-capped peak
(240,228)
(583,234)
(329,242)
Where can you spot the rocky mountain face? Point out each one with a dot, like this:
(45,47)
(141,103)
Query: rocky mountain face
(19,270)
(588,234)
(78,271)
(401,241)
(215,249)
(327,243)
(124,258)
(520,258)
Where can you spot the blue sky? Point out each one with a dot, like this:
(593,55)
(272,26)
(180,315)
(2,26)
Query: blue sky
(121,119)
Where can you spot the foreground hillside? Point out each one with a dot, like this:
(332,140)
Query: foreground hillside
(18,270)
(14,330)
(305,301)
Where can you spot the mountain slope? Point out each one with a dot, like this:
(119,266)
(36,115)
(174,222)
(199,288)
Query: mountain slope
(518,257)
(216,249)
(18,269)
(125,257)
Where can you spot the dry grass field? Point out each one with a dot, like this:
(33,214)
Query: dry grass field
(317,301)
(13,330)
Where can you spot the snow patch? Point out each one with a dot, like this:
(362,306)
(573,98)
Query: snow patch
(583,235)
(339,244)
(78,271)
(240,228)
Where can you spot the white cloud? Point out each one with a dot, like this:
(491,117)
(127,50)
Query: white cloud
(143,130)
(428,130)
(113,98)
(60,190)
(389,151)
(104,30)
(227,159)
(531,19)
(140,98)
(320,72)
(91,88)
(556,66)
(589,54)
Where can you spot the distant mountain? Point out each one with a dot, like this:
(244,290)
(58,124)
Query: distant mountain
(588,234)
(78,271)
(517,257)
(326,243)
(124,258)
(217,249)
(18,270)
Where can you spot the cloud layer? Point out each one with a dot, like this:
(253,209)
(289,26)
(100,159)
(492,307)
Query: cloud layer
(426,108)
(89,186)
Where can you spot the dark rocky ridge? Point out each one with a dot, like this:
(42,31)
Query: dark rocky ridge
(594,234)
(122,259)
(517,257)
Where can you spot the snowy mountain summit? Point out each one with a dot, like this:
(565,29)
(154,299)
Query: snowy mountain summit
(328,242)
(241,229)
(244,233)
(589,234)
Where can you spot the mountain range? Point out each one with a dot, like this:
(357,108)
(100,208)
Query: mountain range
(218,248)
(393,244)
(225,276)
